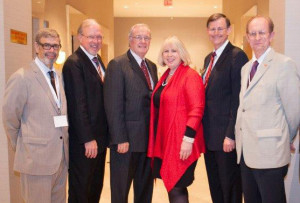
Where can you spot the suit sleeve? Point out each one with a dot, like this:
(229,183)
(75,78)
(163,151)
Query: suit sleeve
(77,101)
(239,59)
(288,85)
(114,103)
(195,97)
(15,98)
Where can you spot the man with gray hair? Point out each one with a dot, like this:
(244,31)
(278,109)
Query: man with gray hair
(83,76)
(268,116)
(34,117)
(129,82)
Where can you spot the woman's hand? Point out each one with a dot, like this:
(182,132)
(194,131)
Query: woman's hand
(185,150)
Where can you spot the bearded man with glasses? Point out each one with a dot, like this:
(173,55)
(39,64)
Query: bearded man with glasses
(34,117)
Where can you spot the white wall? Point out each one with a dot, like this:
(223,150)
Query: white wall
(292,49)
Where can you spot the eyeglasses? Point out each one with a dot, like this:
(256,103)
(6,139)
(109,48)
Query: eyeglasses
(140,38)
(47,46)
(261,34)
(219,29)
(91,38)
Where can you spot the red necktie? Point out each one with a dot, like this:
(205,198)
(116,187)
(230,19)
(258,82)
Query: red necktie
(145,71)
(209,68)
(253,71)
(95,60)
(52,80)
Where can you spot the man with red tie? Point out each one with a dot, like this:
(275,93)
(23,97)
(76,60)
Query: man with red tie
(130,79)
(268,116)
(221,78)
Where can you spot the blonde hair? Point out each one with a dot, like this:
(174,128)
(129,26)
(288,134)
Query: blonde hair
(183,53)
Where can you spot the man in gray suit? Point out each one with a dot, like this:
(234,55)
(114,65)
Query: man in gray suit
(268,116)
(34,116)
(128,85)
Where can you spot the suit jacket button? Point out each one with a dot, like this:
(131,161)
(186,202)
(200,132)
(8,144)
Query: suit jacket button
(240,129)
(60,137)
(244,110)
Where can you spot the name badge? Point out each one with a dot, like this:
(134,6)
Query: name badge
(60,121)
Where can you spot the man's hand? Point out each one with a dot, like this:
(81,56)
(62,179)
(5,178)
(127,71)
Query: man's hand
(228,144)
(292,147)
(123,147)
(185,150)
(91,149)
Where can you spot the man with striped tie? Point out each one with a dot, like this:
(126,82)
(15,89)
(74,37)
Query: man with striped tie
(83,76)
(221,78)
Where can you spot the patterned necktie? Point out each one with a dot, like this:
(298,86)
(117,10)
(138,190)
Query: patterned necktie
(52,80)
(253,71)
(145,71)
(209,68)
(95,60)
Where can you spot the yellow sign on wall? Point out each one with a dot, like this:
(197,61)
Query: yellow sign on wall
(18,37)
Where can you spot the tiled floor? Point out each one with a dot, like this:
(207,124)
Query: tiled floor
(198,191)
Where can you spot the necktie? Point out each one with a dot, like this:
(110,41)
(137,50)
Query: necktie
(253,71)
(145,71)
(209,68)
(52,80)
(95,60)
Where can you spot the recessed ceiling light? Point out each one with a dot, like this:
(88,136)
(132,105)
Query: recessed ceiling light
(215,6)
(170,6)
(126,7)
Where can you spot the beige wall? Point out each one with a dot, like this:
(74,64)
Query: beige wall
(103,12)
(4,168)
(234,10)
(16,15)
(278,14)
(192,31)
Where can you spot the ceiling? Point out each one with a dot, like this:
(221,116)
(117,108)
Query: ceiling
(155,8)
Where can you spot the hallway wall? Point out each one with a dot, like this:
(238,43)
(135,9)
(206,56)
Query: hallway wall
(192,31)
(15,15)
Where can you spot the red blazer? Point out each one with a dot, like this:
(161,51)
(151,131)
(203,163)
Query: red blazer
(181,104)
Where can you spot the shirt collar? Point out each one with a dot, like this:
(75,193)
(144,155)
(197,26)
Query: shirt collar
(221,48)
(262,57)
(136,57)
(87,53)
(43,67)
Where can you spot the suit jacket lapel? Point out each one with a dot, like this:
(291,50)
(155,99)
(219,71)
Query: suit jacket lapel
(262,68)
(219,63)
(135,66)
(89,64)
(41,79)
(151,70)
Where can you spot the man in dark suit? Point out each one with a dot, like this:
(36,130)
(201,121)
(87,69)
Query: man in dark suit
(129,82)
(221,77)
(83,74)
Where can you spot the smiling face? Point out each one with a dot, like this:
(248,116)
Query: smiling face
(171,56)
(218,32)
(91,38)
(48,57)
(259,36)
(139,40)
